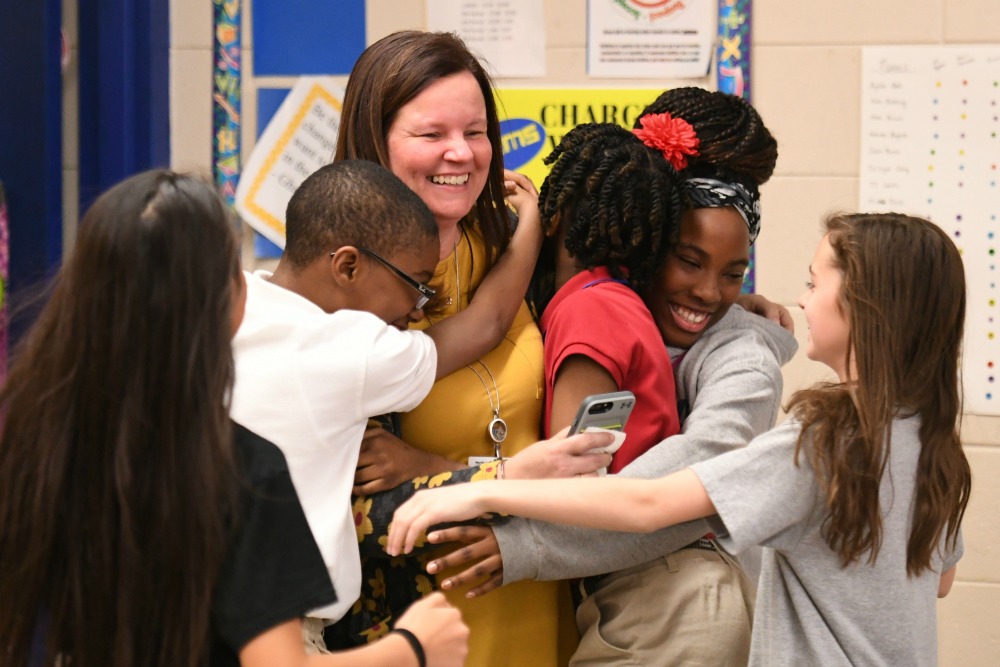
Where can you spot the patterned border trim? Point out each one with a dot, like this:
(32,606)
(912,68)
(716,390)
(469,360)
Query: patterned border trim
(226,97)
(733,72)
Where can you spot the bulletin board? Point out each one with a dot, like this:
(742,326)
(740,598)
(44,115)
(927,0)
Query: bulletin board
(930,119)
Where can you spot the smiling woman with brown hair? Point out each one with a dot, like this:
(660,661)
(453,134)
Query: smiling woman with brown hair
(422,105)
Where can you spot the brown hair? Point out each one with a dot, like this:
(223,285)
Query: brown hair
(116,473)
(904,294)
(389,74)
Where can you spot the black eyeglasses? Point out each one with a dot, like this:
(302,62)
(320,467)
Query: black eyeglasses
(426,293)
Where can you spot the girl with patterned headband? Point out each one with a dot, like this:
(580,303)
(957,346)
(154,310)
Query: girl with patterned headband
(727,367)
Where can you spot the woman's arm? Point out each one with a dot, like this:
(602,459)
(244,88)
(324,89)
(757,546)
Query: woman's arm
(611,503)
(466,336)
(437,625)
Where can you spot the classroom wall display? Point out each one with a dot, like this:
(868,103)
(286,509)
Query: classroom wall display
(643,39)
(534,120)
(930,121)
(297,38)
(226,97)
(732,75)
(299,139)
(507,35)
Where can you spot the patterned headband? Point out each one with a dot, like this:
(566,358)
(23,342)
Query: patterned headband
(710,193)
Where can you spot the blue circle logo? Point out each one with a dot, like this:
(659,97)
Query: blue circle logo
(522,140)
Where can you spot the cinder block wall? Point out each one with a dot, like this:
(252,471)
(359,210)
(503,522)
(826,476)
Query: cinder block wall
(806,83)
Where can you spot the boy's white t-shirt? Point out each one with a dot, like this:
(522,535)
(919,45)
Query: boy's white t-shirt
(308,381)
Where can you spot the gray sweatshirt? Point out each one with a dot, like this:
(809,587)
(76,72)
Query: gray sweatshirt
(731,380)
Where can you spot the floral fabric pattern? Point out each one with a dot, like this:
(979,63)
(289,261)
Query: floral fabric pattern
(389,585)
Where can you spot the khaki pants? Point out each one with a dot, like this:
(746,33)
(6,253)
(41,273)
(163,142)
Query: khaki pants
(692,608)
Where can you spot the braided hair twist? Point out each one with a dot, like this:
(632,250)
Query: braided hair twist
(733,137)
(615,201)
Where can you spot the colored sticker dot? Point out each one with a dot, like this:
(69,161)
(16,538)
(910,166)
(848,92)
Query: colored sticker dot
(990,378)
(958,217)
(930,167)
(964,116)
(957,234)
(930,184)
(990,335)
(933,152)
(989,364)
(989,396)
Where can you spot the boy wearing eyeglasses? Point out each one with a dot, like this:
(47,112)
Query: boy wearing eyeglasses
(324,343)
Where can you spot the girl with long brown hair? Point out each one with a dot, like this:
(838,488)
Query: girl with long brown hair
(138,524)
(858,497)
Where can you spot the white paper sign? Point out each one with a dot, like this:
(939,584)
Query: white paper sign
(930,147)
(508,34)
(300,139)
(655,39)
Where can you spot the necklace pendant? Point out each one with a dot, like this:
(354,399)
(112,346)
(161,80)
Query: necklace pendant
(497,430)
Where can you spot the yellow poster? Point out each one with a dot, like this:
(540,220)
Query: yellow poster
(534,120)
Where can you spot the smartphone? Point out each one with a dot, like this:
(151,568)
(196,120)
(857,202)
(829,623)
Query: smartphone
(608,411)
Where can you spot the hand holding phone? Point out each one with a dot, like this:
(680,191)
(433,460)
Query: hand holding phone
(605,412)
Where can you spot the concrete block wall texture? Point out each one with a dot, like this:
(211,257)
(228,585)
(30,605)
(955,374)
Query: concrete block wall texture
(806,84)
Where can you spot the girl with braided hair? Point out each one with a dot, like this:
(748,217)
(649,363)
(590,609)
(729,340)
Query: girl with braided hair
(609,208)
(678,597)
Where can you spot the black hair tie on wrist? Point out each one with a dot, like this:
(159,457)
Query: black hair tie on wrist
(414,643)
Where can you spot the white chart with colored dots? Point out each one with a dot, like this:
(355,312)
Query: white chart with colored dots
(930,120)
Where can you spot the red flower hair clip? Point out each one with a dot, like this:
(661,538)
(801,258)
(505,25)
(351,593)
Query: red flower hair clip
(674,137)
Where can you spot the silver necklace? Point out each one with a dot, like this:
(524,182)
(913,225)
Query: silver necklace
(497,430)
